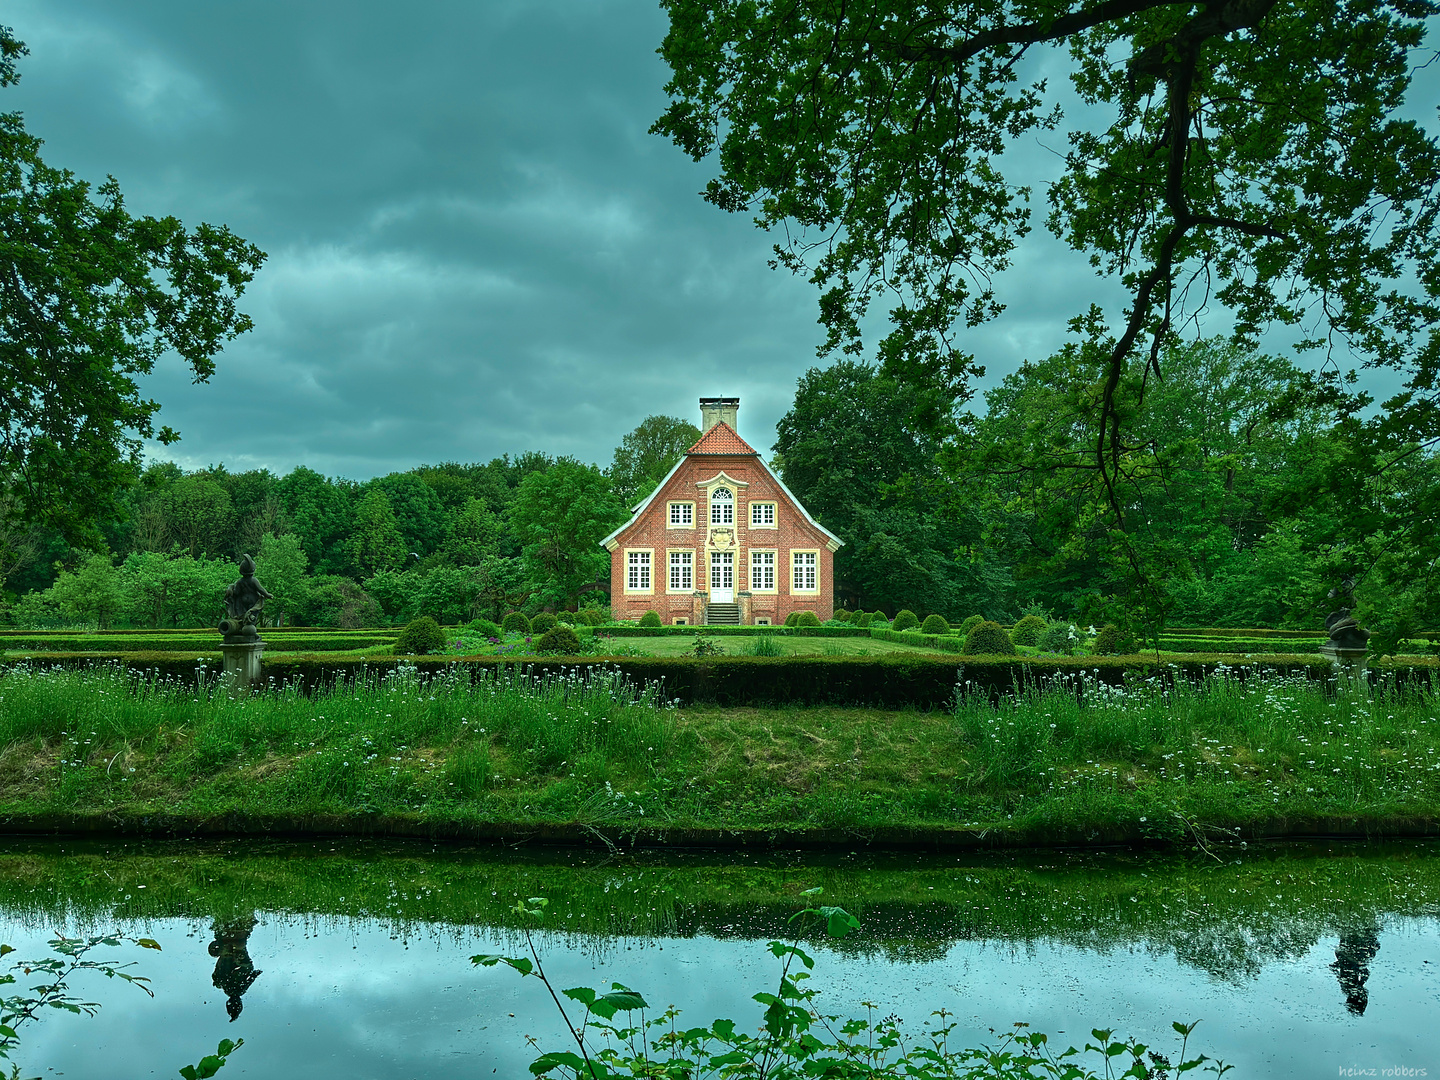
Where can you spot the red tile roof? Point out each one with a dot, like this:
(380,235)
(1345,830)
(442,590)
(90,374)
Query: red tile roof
(720,439)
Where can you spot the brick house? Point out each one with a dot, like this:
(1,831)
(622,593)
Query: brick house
(721,540)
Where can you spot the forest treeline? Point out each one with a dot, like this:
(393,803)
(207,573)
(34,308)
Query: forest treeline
(1244,496)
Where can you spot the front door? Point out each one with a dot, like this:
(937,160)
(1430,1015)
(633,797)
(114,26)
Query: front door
(722,577)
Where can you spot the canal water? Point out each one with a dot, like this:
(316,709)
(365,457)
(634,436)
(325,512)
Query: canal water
(352,958)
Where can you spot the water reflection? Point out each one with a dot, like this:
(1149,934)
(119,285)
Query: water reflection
(1352,965)
(234,970)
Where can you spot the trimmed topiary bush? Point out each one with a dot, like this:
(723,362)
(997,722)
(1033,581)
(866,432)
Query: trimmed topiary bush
(934,624)
(790,619)
(878,614)
(1060,637)
(542,622)
(970,624)
(515,623)
(559,640)
(566,617)
(420,636)
(485,628)
(989,639)
(861,619)
(1028,630)
(841,615)
(905,619)
(590,616)
(1112,641)
(650,618)
(806,618)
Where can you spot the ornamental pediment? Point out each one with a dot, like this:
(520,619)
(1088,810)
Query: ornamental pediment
(721,478)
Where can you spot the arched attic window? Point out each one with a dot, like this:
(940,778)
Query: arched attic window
(722,507)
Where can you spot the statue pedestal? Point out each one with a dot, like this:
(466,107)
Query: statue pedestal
(1349,665)
(242,665)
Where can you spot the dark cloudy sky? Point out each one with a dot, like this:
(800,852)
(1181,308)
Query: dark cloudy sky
(474,246)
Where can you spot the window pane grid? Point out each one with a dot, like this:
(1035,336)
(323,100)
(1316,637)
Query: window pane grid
(682,570)
(722,507)
(762,513)
(682,514)
(637,571)
(803,571)
(762,570)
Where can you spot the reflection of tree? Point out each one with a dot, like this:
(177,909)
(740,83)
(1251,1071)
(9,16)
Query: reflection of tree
(1352,965)
(234,970)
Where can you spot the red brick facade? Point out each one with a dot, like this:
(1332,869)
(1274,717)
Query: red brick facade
(720,517)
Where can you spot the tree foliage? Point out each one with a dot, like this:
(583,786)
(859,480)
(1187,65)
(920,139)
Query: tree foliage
(647,454)
(90,298)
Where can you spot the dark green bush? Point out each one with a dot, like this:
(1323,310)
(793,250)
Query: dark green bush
(905,619)
(933,624)
(790,619)
(542,622)
(558,640)
(1028,630)
(841,615)
(806,618)
(516,623)
(1112,641)
(590,616)
(420,636)
(650,618)
(861,619)
(970,624)
(989,639)
(485,628)
(1058,638)
(878,614)
(566,617)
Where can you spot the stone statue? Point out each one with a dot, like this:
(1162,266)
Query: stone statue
(1345,630)
(243,603)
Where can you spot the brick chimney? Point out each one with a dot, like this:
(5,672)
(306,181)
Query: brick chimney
(715,410)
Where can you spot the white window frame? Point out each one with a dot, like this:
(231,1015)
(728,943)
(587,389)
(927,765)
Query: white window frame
(762,620)
(755,586)
(640,566)
(726,504)
(683,505)
(672,564)
(756,509)
(799,564)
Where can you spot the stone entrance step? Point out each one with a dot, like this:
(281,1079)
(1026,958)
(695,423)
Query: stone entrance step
(722,614)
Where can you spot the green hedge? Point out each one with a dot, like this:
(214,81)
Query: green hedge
(1232,645)
(944,642)
(884,682)
(207,642)
(629,630)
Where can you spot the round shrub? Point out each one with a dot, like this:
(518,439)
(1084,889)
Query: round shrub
(542,622)
(861,619)
(878,614)
(1060,638)
(420,636)
(934,624)
(790,619)
(806,618)
(905,619)
(989,639)
(650,618)
(566,617)
(515,623)
(970,624)
(485,628)
(1112,641)
(559,640)
(590,616)
(841,615)
(1028,630)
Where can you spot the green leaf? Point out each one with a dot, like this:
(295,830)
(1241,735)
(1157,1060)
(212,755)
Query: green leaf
(546,1062)
(148,943)
(6,950)
(838,921)
(519,963)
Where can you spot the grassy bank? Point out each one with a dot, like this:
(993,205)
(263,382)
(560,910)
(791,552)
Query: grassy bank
(572,757)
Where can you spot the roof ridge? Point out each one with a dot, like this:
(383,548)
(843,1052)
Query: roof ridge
(721,439)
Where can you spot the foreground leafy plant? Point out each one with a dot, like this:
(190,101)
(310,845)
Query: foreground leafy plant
(795,1040)
(72,956)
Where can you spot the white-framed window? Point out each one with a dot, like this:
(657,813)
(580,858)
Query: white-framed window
(682,515)
(722,506)
(682,571)
(637,571)
(804,571)
(762,515)
(763,620)
(762,571)
(681,620)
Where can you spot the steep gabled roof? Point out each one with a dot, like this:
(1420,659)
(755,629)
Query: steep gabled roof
(721,439)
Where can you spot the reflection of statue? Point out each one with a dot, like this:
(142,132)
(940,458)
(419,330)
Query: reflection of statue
(234,970)
(1345,630)
(1352,965)
(243,603)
